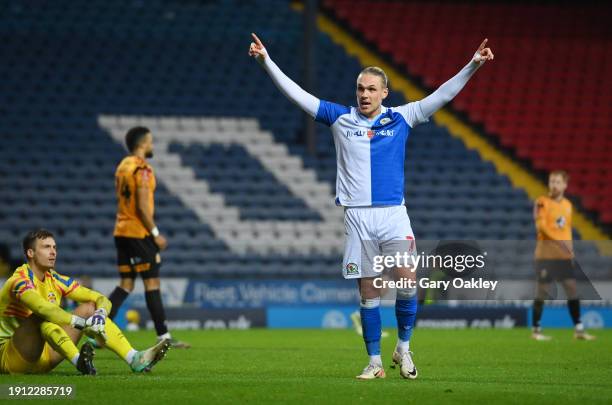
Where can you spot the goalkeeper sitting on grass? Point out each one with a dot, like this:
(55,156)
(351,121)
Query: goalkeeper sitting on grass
(36,334)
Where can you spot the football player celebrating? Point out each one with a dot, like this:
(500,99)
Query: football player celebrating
(370,142)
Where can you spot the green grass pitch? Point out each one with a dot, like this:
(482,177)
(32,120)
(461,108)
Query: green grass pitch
(319,366)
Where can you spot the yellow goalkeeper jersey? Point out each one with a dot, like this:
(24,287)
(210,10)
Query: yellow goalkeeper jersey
(24,294)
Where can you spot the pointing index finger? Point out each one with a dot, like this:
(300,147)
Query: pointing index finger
(257,41)
(480,48)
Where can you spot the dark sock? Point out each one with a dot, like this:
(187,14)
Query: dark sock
(156,309)
(538,308)
(116,298)
(574,310)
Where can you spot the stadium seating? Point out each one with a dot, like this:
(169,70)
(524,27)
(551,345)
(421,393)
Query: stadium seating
(548,94)
(237,193)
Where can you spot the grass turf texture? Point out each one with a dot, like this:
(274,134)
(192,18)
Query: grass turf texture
(319,366)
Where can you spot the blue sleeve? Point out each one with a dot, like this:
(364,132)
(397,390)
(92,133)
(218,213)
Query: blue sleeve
(328,112)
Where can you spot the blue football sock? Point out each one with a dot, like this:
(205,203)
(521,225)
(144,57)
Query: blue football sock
(405,312)
(371,325)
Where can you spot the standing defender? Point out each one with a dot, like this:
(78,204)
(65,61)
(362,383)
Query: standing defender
(137,238)
(554,254)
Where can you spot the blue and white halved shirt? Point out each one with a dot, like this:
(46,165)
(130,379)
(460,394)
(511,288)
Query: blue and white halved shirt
(370,154)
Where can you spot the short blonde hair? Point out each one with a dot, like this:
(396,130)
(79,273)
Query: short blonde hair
(561,173)
(376,71)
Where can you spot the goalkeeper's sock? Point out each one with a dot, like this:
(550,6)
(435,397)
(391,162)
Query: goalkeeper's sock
(371,324)
(75,360)
(405,313)
(116,341)
(59,341)
(116,298)
(156,309)
(130,356)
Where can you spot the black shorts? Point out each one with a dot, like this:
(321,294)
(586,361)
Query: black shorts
(550,270)
(137,256)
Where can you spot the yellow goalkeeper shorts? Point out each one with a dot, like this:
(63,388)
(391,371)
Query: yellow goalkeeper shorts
(11,361)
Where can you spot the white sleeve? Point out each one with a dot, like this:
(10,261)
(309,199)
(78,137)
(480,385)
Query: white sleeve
(412,113)
(448,90)
(295,94)
(419,111)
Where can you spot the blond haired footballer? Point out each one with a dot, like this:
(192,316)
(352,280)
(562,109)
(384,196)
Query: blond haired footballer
(554,254)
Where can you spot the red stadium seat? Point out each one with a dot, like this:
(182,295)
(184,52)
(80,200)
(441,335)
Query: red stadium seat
(542,96)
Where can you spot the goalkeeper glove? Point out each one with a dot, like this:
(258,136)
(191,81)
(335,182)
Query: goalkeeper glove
(77,322)
(96,323)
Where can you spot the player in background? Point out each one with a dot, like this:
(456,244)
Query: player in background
(137,238)
(370,142)
(554,254)
(36,334)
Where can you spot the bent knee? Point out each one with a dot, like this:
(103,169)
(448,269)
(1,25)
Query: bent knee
(85,310)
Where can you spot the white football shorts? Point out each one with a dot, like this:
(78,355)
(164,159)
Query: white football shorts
(372,232)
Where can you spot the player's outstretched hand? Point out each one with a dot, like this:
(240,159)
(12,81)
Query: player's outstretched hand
(257,50)
(483,54)
(95,324)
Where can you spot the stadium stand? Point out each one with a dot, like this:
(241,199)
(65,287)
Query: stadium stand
(549,96)
(238,195)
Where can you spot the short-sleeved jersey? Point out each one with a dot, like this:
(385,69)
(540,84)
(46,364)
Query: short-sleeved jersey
(51,289)
(370,153)
(132,172)
(553,223)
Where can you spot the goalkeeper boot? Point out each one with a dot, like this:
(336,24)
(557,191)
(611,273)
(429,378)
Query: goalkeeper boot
(85,362)
(407,367)
(371,372)
(177,344)
(146,359)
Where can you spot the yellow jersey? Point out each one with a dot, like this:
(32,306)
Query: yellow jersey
(23,294)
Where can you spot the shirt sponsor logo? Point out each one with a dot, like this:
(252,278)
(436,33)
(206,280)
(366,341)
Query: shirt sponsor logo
(386,132)
(350,133)
(369,133)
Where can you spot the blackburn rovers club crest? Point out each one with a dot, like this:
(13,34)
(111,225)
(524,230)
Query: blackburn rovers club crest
(51,298)
(352,269)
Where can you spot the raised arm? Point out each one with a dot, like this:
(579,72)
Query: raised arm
(297,95)
(452,87)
